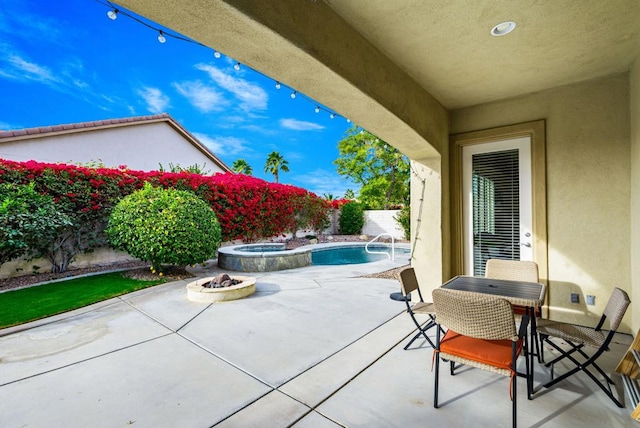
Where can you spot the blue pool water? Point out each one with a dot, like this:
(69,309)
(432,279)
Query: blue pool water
(354,255)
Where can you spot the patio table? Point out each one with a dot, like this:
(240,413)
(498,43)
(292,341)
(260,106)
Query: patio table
(522,293)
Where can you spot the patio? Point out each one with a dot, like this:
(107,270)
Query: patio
(314,347)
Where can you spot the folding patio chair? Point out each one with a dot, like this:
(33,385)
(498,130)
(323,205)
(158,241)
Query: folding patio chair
(481,333)
(409,284)
(577,337)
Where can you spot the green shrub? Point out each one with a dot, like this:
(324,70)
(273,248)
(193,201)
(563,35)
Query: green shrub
(165,226)
(351,218)
(404,219)
(29,221)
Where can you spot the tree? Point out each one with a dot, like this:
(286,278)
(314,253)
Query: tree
(165,226)
(381,170)
(242,167)
(29,221)
(276,163)
(351,218)
(349,194)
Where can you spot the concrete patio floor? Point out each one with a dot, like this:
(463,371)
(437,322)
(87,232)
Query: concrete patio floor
(313,347)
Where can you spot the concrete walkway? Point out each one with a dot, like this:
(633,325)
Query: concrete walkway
(314,347)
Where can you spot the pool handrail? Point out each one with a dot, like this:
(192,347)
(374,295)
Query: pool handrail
(391,256)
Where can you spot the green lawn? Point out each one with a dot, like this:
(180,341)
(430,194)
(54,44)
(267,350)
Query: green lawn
(28,304)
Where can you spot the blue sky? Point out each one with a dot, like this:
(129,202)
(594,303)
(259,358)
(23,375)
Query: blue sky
(66,61)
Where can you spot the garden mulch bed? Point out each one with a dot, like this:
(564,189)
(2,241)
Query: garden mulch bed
(140,270)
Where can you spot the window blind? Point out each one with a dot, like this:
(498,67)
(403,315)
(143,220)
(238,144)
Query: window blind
(496,207)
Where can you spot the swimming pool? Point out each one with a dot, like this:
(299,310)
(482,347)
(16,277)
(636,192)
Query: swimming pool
(269,257)
(354,255)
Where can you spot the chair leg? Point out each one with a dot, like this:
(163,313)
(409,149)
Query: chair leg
(591,361)
(542,339)
(422,331)
(437,377)
(529,376)
(514,384)
(515,402)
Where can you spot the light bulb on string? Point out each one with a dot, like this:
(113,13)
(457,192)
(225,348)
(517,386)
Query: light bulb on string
(237,66)
(332,115)
(348,120)
(293,94)
(277,85)
(161,37)
(317,110)
(216,54)
(113,14)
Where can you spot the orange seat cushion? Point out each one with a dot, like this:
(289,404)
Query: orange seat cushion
(496,353)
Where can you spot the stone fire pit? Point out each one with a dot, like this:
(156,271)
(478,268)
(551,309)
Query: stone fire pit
(199,291)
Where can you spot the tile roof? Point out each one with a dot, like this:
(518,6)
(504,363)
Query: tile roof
(83,125)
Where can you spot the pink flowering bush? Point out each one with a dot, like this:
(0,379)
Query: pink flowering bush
(247,208)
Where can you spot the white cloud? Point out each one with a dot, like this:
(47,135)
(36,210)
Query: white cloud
(157,102)
(300,125)
(251,97)
(31,70)
(260,129)
(203,97)
(229,146)
(321,181)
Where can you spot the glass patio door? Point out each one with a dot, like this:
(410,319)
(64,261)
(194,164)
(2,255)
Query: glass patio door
(497,204)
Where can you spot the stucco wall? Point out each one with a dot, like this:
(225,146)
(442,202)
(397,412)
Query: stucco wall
(142,147)
(634,91)
(588,187)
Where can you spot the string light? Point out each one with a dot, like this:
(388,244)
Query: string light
(114,12)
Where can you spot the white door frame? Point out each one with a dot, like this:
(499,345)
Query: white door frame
(523,145)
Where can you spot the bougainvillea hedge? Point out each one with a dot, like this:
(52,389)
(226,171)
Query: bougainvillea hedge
(247,208)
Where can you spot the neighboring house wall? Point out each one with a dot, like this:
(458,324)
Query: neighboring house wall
(588,187)
(140,145)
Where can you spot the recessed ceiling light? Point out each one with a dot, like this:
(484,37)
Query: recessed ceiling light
(503,28)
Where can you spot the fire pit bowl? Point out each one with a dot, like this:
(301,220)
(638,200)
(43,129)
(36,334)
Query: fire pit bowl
(197,292)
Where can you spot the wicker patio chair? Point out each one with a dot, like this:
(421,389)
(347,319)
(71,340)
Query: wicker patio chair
(516,270)
(577,337)
(409,284)
(481,333)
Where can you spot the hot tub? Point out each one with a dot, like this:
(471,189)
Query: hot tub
(263,257)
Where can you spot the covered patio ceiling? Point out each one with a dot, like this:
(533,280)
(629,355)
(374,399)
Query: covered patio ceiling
(447,48)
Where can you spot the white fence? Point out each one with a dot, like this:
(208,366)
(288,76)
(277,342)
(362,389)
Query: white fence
(375,223)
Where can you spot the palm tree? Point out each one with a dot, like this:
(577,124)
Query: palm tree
(276,163)
(242,167)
